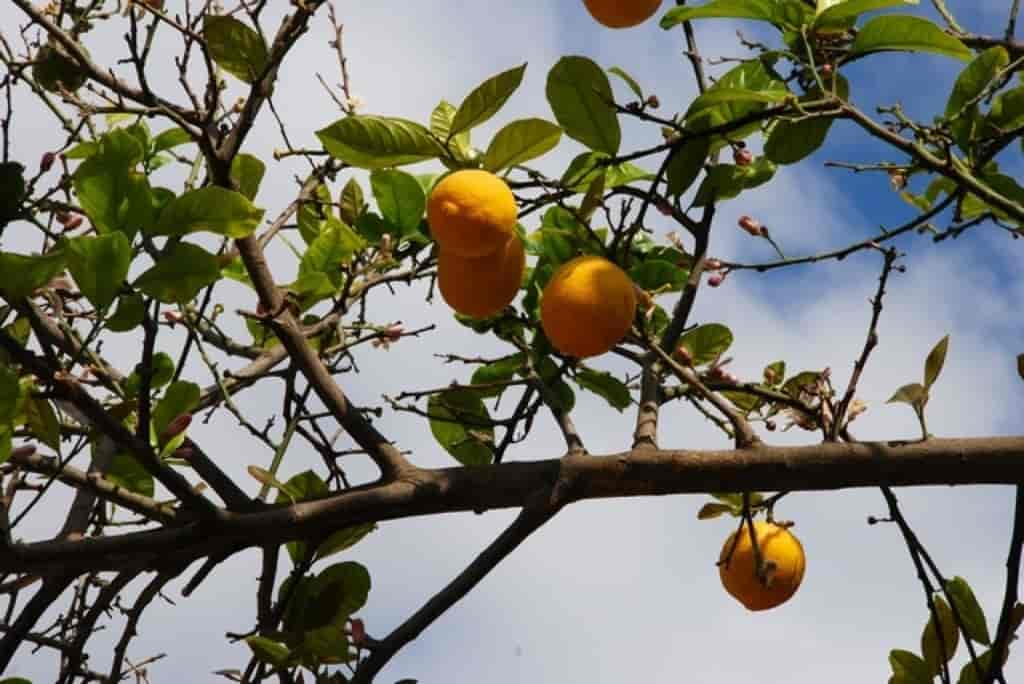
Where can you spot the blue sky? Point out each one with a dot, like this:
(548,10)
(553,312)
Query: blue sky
(627,590)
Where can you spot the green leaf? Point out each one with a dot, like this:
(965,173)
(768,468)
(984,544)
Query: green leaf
(212,209)
(791,141)
(486,99)
(913,394)
(760,10)
(586,168)
(502,370)
(247,172)
(581,98)
(330,252)
(969,672)
(906,33)
(686,164)
(236,48)
(180,397)
(99,265)
(605,385)
(975,77)
(726,181)
(774,373)
(754,75)
(712,510)
(268,651)
(352,203)
(400,199)
(304,486)
(171,138)
(349,582)
(629,81)
(131,309)
(24,274)
(461,425)
(108,190)
(933,364)
(125,471)
(313,213)
(799,383)
(743,400)
(659,274)
(377,142)
(707,342)
(935,651)
(843,12)
(519,142)
(180,274)
(43,422)
(344,539)
(969,610)
(909,667)
(715,97)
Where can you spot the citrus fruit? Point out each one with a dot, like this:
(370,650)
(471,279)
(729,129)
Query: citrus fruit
(53,67)
(483,286)
(622,13)
(588,306)
(472,213)
(784,560)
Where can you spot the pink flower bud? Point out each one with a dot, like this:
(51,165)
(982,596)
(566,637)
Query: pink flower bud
(751,225)
(742,157)
(716,280)
(173,317)
(684,356)
(358,631)
(826,70)
(73,222)
(664,208)
(653,102)
(46,162)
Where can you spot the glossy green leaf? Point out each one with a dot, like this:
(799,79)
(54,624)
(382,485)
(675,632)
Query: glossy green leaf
(99,264)
(125,471)
(502,370)
(659,274)
(967,607)
(774,373)
(171,138)
(344,539)
(975,77)
(935,650)
(179,398)
(715,97)
(629,81)
(43,422)
(913,394)
(330,252)
(906,33)
(686,164)
(352,203)
(104,183)
(268,651)
(935,361)
(519,142)
(713,510)
(726,181)
(377,142)
(707,342)
(461,425)
(841,13)
(131,309)
(313,213)
(969,672)
(353,579)
(486,99)
(744,401)
(23,274)
(180,274)
(760,10)
(581,98)
(589,166)
(400,199)
(235,47)
(606,386)
(247,172)
(211,209)
(909,667)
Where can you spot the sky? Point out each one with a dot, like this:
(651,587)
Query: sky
(617,591)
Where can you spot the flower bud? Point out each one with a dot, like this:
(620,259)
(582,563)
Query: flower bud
(715,280)
(826,70)
(751,225)
(684,356)
(742,156)
(176,427)
(358,630)
(46,162)
(653,102)
(664,208)
(73,222)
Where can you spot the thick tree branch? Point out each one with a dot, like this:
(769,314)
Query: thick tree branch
(641,472)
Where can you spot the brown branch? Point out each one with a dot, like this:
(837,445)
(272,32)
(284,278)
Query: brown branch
(1010,594)
(528,521)
(641,472)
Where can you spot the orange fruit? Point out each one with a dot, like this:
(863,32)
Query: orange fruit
(784,560)
(483,286)
(472,213)
(622,13)
(588,306)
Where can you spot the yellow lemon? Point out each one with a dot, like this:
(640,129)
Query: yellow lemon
(483,286)
(784,560)
(622,13)
(472,213)
(588,306)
